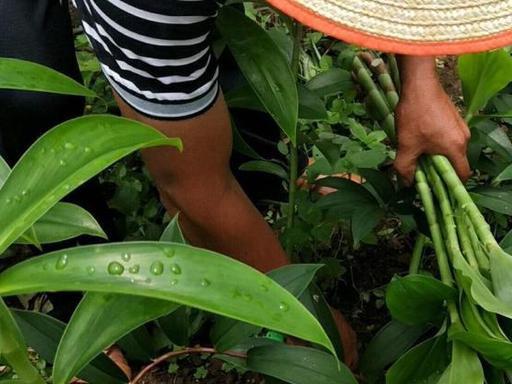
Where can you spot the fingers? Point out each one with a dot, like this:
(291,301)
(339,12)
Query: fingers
(460,164)
(405,163)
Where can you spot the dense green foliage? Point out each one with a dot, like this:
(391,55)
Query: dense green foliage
(450,318)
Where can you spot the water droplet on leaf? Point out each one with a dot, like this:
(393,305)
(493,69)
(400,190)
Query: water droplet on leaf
(176,269)
(115,268)
(169,252)
(205,283)
(157,268)
(174,282)
(69,145)
(90,270)
(284,307)
(62,262)
(126,257)
(134,269)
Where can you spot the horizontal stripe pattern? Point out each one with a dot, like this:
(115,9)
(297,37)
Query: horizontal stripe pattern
(156,54)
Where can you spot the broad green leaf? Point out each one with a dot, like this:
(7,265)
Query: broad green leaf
(465,367)
(311,106)
(179,273)
(228,333)
(505,175)
(99,321)
(176,326)
(379,182)
(348,198)
(264,66)
(501,270)
(314,300)
(391,342)
(43,334)
(497,351)
(265,166)
(61,160)
(244,97)
(418,299)
(298,365)
(4,171)
(330,82)
(172,232)
(478,288)
(13,348)
(364,221)
(422,364)
(241,145)
(483,75)
(28,76)
(495,199)
(65,221)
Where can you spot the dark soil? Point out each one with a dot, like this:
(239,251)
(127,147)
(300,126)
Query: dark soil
(188,368)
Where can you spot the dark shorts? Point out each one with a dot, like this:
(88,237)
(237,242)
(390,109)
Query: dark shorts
(156,54)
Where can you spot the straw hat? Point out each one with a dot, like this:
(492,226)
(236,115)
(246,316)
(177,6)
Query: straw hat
(415,27)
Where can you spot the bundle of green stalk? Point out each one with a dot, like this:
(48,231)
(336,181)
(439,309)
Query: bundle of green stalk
(471,304)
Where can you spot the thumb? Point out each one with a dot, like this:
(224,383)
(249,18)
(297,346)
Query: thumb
(405,164)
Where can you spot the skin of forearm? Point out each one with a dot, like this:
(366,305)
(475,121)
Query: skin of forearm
(417,73)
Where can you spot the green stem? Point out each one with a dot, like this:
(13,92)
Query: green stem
(13,348)
(463,198)
(436,236)
(298,33)
(364,78)
(417,253)
(380,69)
(395,73)
(465,239)
(481,256)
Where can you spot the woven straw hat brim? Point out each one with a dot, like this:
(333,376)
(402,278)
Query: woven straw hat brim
(412,27)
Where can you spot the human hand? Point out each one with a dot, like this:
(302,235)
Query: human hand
(427,121)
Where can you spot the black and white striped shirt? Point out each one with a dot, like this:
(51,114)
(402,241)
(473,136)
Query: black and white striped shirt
(156,54)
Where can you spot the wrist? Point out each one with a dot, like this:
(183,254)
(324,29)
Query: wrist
(418,72)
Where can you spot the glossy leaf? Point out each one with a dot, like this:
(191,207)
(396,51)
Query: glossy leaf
(391,342)
(364,221)
(13,348)
(314,300)
(483,75)
(43,334)
(264,66)
(311,106)
(99,321)
(228,333)
(71,153)
(240,145)
(497,351)
(172,232)
(495,199)
(176,326)
(348,198)
(417,299)
(479,289)
(298,365)
(422,364)
(28,76)
(266,167)
(504,175)
(4,171)
(65,221)
(465,367)
(330,82)
(501,270)
(179,273)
